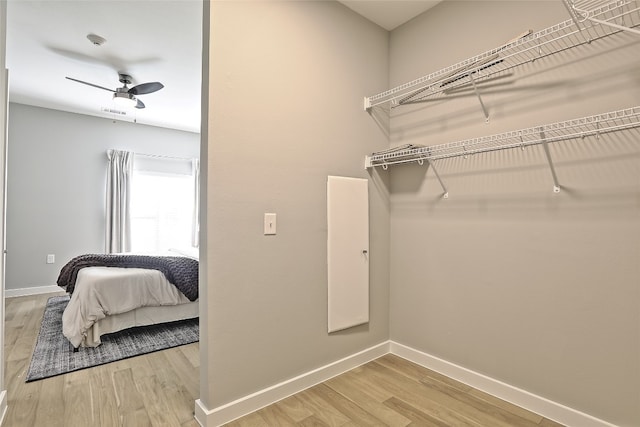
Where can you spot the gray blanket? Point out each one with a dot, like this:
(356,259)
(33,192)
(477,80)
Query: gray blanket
(182,272)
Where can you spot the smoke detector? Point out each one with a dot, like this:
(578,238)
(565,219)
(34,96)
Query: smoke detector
(96,39)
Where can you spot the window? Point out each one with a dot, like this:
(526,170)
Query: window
(162,207)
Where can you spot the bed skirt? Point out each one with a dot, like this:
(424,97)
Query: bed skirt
(142,316)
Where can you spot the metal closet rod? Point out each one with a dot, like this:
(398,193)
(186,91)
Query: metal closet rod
(583,27)
(544,134)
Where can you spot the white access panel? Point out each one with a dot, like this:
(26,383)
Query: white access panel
(347,252)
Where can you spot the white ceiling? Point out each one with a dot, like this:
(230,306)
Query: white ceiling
(150,40)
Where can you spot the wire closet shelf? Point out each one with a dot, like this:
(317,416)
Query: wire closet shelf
(570,129)
(590,20)
(576,128)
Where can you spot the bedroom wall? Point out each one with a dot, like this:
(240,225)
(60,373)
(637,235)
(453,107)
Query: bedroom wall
(535,289)
(287,81)
(56,184)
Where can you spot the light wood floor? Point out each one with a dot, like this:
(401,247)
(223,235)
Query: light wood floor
(160,389)
(391,391)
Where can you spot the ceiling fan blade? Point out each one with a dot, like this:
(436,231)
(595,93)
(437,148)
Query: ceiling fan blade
(140,104)
(90,84)
(144,88)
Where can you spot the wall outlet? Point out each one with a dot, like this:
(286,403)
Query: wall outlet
(51,258)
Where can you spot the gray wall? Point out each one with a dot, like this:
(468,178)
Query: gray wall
(536,289)
(4,99)
(56,184)
(287,81)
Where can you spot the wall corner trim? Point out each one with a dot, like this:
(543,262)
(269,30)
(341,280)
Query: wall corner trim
(243,406)
(534,403)
(201,412)
(3,405)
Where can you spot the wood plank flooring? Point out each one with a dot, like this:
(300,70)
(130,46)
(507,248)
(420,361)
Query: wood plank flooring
(391,391)
(160,389)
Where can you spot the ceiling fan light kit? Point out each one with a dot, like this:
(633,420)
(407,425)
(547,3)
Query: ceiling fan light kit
(125,99)
(125,96)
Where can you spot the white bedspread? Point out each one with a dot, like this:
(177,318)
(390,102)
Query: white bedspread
(102,291)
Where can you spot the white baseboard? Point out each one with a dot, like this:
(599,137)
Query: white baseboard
(10,293)
(236,409)
(200,413)
(3,405)
(541,406)
(534,403)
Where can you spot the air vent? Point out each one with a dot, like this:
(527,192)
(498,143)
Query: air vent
(113,111)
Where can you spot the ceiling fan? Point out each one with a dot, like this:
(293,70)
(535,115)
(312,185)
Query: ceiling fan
(126,95)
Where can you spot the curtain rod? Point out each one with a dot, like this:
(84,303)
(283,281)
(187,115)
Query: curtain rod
(159,156)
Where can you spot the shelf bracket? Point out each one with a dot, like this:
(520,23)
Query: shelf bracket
(367,162)
(545,145)
(612,25)
(475,89)
(432,166)
(580,16)
(367,103)
(573,13)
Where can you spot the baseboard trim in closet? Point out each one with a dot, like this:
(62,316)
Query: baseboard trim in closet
(243,406)
(35,290)
(253,402)
(541,406)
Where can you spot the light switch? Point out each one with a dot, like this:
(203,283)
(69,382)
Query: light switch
(51,258)
(269,223)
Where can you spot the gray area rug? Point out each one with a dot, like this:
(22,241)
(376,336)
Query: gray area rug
(53,354)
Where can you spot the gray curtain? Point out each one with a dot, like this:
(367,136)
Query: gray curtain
(118,232)
(195,240)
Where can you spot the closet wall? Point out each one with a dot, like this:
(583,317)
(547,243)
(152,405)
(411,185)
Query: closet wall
(286,83)
(506,278)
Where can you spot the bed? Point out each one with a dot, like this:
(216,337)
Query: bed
(113,292)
